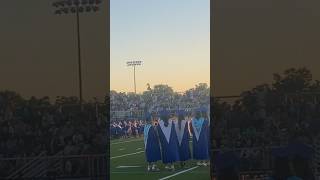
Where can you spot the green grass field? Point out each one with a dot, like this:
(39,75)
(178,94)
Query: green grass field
(127,160)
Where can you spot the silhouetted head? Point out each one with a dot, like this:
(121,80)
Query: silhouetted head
(148,118)
(204,112)
(181,114)
(165,117)
(198,114)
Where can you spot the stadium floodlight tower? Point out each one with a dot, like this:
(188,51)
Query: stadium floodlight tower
(134,64)
(76,7)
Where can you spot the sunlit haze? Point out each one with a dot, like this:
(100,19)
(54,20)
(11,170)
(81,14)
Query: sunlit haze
(171,37)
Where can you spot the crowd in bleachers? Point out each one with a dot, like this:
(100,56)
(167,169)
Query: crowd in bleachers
(239,128)
(37,125)
(161,96)
(276,115)
(32,126)
(236,128)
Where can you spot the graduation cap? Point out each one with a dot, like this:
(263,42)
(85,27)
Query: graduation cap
(203,109)
(181,112)
(164,113)
(172,112)
(198,110)
(148,117)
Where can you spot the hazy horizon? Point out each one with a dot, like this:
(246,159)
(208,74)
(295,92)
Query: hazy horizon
(152,86)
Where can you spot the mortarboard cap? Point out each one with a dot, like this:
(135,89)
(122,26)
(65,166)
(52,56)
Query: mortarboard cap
(148,117)
(203,109)
(164,113)
(181,112)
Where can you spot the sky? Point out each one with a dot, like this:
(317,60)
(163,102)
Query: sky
(252,39)
(171,37)
(39,53)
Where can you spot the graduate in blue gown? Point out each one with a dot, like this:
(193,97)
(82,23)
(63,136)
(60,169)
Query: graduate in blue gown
(206,115)
(152,145)
(200,142)
(181,127)
(169,141)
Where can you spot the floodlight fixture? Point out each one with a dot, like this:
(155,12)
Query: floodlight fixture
(76,7)
(134,64)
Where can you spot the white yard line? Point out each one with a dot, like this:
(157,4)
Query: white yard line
(121,142)
(124,155)
(144,172)
(130,172)
(190,169)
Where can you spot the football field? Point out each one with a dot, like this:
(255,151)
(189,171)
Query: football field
(127,161)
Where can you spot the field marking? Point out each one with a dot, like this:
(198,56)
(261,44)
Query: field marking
(145,172)
(119,167)
(138,148)
(190,169)
(121,142)
(139,152)
(134,172)
(121,149)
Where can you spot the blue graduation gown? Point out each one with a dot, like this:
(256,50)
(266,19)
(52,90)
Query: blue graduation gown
(200,146)
(170,151)
(152,146)
(183,140)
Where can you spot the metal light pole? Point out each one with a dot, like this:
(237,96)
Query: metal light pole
(76,7)
(134,64)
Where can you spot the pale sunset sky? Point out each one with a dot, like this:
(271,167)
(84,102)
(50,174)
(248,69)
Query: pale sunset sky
(171,37)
